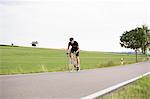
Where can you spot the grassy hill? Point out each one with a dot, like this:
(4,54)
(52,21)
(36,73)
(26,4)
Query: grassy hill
(14,60)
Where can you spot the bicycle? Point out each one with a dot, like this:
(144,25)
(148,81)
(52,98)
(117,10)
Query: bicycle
(72,65)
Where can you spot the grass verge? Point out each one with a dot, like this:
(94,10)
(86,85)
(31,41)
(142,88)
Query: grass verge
(139,89)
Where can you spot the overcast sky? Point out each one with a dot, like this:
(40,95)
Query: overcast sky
(95,24)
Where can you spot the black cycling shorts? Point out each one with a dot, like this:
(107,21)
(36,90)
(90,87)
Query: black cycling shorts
(74,50)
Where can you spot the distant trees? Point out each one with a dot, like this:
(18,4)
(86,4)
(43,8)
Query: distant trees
(138,38)
(34,43)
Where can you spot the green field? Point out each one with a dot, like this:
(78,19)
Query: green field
(14,60)
(137,90)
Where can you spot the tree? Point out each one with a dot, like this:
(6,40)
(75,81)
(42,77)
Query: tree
(146,39)
(132,39)
(34,43)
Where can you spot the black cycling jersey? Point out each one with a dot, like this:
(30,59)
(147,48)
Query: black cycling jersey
(74,48)
(74,45)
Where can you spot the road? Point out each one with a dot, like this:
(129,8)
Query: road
(66,85)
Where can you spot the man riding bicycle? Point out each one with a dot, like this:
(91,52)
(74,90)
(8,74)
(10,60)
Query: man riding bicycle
(74,49)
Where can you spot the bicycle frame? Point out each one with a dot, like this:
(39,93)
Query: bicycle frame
(72,62)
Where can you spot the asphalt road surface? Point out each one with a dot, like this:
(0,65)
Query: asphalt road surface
(66,85)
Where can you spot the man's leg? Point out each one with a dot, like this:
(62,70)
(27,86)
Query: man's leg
(78,62)
(71,58)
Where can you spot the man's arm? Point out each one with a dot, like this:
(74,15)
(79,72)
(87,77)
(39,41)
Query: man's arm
(68,48)
(68,45)
(78,50)
(78,47)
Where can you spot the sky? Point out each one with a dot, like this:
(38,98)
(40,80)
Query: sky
(95,24)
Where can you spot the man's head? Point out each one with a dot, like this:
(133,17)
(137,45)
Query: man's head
(71,40)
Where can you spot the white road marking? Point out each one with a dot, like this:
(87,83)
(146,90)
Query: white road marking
(102,92)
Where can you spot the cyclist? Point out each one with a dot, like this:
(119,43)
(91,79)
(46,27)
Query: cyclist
(74,49)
